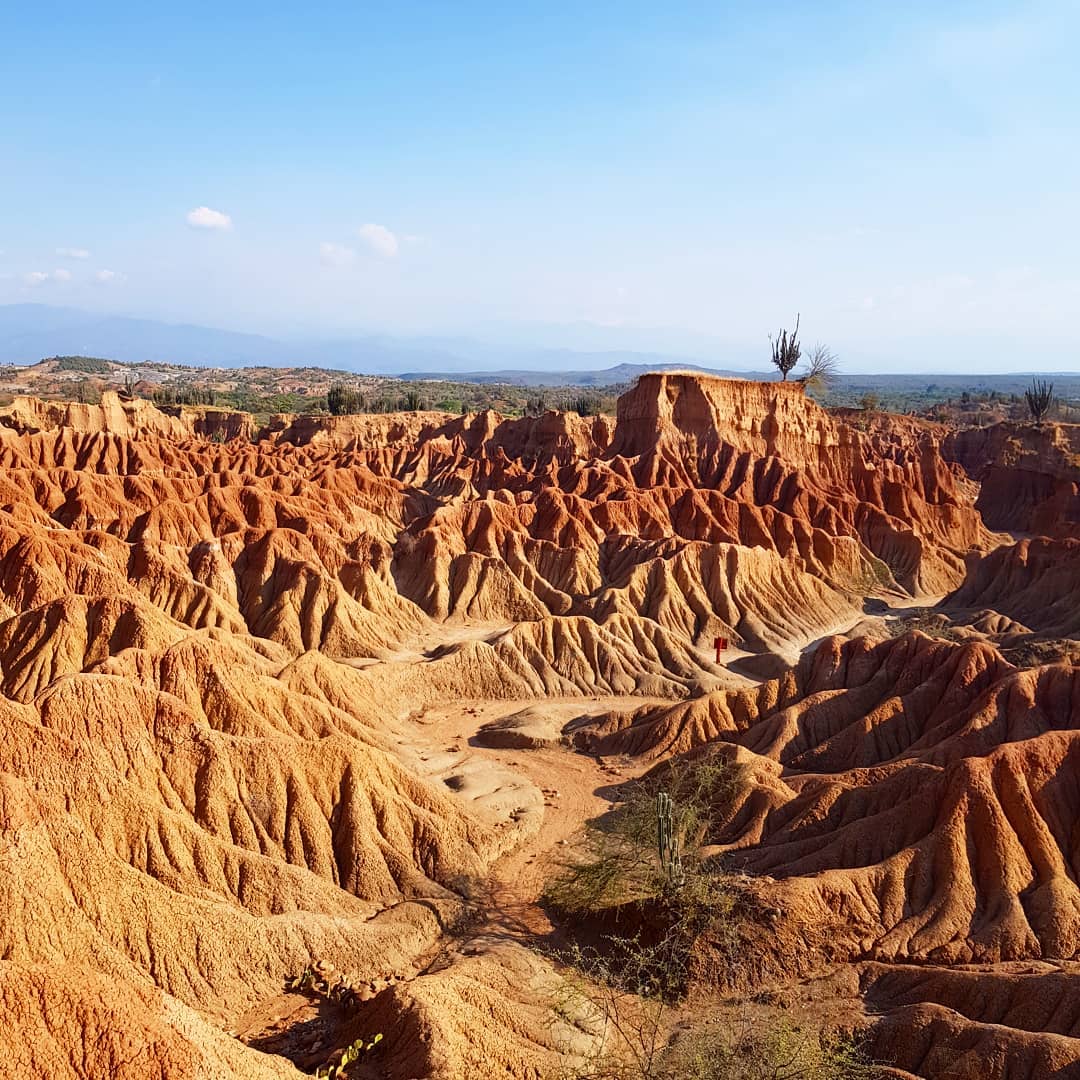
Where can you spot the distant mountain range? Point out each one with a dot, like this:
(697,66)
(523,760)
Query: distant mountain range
(619,373)
(31,332)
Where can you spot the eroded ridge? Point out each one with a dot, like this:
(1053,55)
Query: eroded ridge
(240,670)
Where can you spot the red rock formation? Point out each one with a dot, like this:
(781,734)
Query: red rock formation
(1033,582)
(206,648)
(912,802)
(1029,475)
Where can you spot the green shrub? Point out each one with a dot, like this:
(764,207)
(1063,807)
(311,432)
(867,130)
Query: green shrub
(619,860)
(353,1052)
(343,401)
(626,984)
(89,365)
(763,1048)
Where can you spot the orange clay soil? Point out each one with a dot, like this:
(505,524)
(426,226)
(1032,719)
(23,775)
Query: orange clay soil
(342,691)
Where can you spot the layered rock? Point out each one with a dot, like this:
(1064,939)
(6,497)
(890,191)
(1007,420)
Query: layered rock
(1029,475)
(1034,583)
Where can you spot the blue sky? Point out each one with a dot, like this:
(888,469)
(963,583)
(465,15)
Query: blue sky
(656,175)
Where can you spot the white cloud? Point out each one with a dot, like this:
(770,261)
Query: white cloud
(379,239)
(202,217)
(73,253)
(103,277)
(335,254)
(33,278)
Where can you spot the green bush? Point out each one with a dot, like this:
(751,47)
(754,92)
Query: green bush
(763,1048)
(343,401)
(619,862)
(626,984)
(89,365)
(353,1052)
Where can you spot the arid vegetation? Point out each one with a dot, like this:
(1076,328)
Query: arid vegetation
(268,391)
(624,859)
(822,369)
(786,350)
(1040,399)
(644,866)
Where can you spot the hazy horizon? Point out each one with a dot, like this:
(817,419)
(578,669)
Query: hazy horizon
(618,178)
(34,337)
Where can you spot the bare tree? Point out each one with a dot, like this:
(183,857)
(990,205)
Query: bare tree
(786,349)
(821,370)
(1040,399)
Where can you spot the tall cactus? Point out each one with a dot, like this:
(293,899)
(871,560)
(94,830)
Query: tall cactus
(668,846)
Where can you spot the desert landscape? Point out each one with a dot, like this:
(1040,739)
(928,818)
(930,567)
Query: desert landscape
(323,740)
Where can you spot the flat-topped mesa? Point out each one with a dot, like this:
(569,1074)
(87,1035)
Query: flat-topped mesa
(113,415)
(127,417)
(674,408)
(558,436)
(769,444)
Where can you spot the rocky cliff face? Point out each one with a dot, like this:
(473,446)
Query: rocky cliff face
(889,487)
(1029,475)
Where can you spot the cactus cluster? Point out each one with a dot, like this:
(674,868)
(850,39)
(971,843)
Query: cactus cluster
(668,845)
(321,980)
(786,349)
(1040,399)
(352,1052)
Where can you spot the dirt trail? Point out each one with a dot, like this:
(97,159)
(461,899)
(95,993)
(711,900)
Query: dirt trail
(430,644)
(574,787)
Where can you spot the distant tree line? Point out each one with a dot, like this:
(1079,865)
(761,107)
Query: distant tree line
(345,401)
(88,365)
(571,399)
(184,395)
